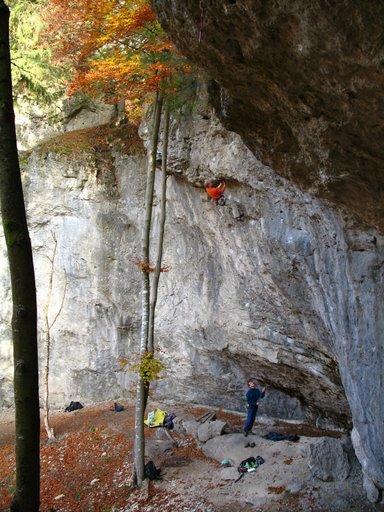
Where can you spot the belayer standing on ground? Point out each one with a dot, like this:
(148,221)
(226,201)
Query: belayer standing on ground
(253,396)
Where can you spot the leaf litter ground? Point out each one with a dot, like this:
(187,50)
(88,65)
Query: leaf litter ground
(89,469)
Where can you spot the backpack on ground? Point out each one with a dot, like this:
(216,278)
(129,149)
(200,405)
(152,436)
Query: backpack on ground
(276,436)
(151,472)
(248,465)
(168,421)
(73,406)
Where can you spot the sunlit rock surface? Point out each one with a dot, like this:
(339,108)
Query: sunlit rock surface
(301,82)
(292,294)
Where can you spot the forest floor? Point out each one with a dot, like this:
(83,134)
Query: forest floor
(89,468)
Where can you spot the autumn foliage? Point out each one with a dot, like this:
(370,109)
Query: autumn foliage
(115,49)
(147,267)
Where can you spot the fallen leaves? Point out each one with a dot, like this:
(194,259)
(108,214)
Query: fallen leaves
(88,467)
(276,490)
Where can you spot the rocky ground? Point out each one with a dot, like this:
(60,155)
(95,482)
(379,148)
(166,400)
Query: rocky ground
(88,468)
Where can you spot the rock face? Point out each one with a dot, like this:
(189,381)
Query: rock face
(292,294)
(210,429)
(301,82)
(328,461)
(78,203)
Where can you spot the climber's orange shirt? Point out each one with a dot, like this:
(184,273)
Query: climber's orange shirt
(216,192)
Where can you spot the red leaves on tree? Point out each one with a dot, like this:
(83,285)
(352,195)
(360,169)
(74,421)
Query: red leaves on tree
(145,266)
(115,49)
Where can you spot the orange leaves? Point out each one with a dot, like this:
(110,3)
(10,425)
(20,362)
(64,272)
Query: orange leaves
(129,19)
(146,267)
(115,48)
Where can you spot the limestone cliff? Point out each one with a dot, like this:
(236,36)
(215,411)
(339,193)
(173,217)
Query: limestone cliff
(302,83)
(292,294)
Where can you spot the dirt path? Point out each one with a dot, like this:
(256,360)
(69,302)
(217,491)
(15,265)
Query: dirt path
(89,468)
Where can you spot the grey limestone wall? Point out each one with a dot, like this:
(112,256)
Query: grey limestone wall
(291,295)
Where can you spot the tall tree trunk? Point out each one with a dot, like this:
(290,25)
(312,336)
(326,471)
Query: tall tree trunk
(163,211)
(47,424)
(24,318)
(48,339)
(142,388)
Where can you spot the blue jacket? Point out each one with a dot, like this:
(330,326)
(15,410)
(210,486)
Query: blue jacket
(253,395)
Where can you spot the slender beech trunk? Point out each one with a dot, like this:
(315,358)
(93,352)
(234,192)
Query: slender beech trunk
(163,210)
(47,424)
(48,338)
(24,318)
(145,290)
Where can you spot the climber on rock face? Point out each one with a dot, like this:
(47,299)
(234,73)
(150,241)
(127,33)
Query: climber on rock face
(215,189)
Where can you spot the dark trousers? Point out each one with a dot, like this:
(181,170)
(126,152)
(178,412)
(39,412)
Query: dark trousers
(252,411)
